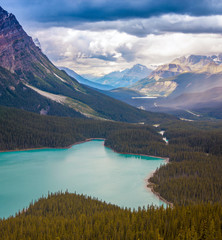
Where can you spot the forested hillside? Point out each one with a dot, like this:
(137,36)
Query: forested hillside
(71,216)
(21,130)
(194,174)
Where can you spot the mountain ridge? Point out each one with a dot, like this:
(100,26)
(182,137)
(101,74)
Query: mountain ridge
(161,82)
(177,85)
(38,86)
(85,81)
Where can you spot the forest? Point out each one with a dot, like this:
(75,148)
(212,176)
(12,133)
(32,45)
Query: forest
(66,216)
(194,174)
(192,181)
(21,130)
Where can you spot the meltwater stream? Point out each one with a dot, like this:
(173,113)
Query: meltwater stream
(88,168)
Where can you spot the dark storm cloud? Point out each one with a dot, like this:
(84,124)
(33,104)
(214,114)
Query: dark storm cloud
(127,54)
(63,11)
(159,25)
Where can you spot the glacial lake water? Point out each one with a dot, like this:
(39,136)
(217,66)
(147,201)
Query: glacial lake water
(88,168)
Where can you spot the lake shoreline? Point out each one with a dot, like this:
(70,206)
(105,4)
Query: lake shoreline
(143,155)
(149,184)
(43,148)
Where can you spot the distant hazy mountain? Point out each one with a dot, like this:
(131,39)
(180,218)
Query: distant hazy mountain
(195,90)
(126,77)
(193,82)
(193,63)
(84,81)
(28,80)
(162,81)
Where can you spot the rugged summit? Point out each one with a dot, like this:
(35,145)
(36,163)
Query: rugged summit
(192,82)
(192,63)
(20,55)
(16,47)
(162,81)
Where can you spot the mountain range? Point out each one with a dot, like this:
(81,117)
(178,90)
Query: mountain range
(124,78)
(30,81)
(166,78)
(193,82)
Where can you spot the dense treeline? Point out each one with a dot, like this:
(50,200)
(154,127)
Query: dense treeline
(195,172)
(70,216)
(193,179)
(189,182)
(21,130)
(195,152)
(186,139)
(138,141)
(198,136)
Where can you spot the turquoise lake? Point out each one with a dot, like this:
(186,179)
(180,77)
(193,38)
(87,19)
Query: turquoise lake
(88,168)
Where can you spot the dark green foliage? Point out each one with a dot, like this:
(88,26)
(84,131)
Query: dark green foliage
(20,129)
(70,216)
(138,141)
(195,152)
(211,112)
(15,94)
(191,181)
(195,172)
(193,176)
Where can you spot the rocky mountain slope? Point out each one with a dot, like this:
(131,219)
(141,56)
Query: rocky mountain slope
(165,80)
(28,80)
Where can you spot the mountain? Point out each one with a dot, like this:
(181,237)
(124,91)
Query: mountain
(126,77)
(192,82)
(195,90)
(84,81)
(161,82)
(113,78)
(28,80)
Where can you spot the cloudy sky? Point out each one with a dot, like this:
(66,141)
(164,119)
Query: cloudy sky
(100,36)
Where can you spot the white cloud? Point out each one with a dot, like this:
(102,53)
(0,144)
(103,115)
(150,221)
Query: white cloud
(100,52)
(84,51)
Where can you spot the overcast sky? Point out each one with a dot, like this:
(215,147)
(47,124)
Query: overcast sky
(100,36)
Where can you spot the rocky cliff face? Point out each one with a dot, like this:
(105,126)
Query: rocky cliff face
(193,63)
(20,55)
(16,47)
